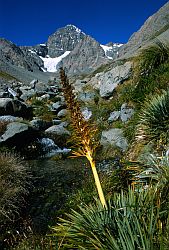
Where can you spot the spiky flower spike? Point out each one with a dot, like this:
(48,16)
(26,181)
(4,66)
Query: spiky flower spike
(84,134)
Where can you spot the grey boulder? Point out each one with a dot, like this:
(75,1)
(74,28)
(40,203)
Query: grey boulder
(58,129)
(109,81)
(58,106)
(126,113)
(17,134)
(114,137)
(114,116)
(13,107)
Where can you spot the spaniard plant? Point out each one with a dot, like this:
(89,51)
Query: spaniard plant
(84,133)
(153,122)
(156,170)
(130,222)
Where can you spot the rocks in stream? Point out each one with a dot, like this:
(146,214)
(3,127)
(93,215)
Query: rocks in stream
(48,106)
(18,134)
(9,106)
(58,129)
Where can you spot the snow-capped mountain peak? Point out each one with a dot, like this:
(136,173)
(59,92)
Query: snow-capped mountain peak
(75,28)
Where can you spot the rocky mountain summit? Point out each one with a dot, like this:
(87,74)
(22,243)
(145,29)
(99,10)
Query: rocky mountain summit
(64,39)
(90,56)
(68,42)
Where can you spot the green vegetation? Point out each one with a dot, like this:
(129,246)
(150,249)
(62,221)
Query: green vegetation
(135,215)
(153,122)
(13,190)
(154,57)
(152,66)
(129,222)
(41,109)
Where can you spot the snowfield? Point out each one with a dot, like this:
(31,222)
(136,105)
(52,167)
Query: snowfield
(110,48)
(51,63)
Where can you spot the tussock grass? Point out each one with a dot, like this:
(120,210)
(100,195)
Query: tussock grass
(13,187)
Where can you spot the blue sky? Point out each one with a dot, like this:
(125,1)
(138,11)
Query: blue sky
(29,22)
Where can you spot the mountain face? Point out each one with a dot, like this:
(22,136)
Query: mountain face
(90,55)
(153,28)
(68,47)
(11,53)
(73,49)
(64,39)
(77,52)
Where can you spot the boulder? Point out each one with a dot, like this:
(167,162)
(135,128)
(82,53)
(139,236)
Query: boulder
(126,113)
(114,137)
(10,118)
(62,113)
(114,116)
(17,134)
(41,87)
(33,83)
(27,93)
(4,94)
(58,129)
(87,114)
(6,106)
(86,97)
(79,85)
(22,109)
(109,81)
(13,107)
(40,124)
(58,106)
(58,133)
(43,97)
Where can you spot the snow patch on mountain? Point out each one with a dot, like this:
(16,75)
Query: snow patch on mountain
(33,52)
(113,48)
(51,63)
(106,49)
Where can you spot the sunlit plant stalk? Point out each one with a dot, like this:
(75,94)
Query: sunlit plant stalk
(84,134)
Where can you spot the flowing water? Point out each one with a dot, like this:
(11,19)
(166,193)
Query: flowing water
(50,149)
(53,183)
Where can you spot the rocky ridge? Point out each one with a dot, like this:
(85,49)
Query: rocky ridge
(14,55)
(153,28)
